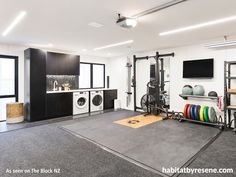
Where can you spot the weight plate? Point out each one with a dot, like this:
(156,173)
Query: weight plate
(201,113)
(205,112)
(188,112)
(196,112)
(212,114)
(186,109)
(192,112)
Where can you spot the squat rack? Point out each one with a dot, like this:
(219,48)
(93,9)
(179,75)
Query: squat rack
(157,57)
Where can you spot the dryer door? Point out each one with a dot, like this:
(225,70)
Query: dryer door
(81,102)
(97,100)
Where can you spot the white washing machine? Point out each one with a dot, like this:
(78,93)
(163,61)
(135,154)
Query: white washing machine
(96,101)
(80,102)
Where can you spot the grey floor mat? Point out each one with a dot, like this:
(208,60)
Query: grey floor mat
(166,144)
(50,147)
(220,154)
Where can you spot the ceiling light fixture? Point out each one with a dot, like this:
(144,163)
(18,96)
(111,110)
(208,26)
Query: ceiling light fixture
(126,22)
(210,23)
(84,50)
(226,43)
(14,23)
(114,45)
(95,25)
(42,45)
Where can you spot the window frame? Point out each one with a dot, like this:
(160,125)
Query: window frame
(15,58)
(91,75)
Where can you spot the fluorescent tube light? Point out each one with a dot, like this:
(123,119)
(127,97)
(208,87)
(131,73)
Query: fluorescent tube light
(223,44)
(210,23)
(14,23)
(114,45)
(42,45)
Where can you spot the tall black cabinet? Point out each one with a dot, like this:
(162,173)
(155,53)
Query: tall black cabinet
(35,84)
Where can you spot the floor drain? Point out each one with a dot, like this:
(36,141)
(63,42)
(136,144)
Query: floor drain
(133,121)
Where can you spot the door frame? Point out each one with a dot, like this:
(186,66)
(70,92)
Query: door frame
(15,58)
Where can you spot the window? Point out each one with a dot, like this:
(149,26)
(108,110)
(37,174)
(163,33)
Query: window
(98,76)
(8,82)
(92,75)
(85,76)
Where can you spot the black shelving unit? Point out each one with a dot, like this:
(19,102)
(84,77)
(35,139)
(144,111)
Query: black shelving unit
(228,91)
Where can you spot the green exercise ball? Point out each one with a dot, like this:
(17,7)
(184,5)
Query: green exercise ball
(198,90)
(187,90)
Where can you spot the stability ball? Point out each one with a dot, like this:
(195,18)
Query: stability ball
(187,90)
(198,90)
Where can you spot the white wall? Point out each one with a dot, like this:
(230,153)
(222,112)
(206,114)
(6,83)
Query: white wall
(19,51)
(118,74)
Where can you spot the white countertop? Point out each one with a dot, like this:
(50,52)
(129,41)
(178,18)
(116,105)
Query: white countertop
(78,90)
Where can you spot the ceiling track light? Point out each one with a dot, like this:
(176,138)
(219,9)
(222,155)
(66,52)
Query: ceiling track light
(226,43)
(126,22)
(14,23)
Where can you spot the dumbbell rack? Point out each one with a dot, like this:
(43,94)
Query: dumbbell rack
(228,91)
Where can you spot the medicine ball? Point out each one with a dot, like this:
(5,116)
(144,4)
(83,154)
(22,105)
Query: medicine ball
(198,90)
(213,94)
(187,90)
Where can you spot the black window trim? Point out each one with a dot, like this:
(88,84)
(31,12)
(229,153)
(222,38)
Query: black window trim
(16,95)
(91,75)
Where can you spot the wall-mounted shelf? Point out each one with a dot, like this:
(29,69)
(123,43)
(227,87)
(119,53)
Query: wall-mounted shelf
(231,91)
(186,97)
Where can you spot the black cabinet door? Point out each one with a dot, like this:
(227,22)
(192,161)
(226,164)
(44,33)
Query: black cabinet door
(109,97)
(52,63)
(59,104)
(37,84)
(62,64)
(73,63)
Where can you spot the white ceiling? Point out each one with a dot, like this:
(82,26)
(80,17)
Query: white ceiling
(65,23)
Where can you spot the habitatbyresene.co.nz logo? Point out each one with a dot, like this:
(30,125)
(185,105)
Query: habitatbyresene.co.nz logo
(187,170)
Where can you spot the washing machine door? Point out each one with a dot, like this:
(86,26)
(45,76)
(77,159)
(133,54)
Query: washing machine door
(81,102)
(97,100)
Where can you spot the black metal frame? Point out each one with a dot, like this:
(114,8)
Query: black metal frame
(16,95)
(91,75)
(15,58)
(157,57)
(227,95)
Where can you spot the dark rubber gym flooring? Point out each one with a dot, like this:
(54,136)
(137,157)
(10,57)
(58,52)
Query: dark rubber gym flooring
(48,146)
(220,154)
(167,143)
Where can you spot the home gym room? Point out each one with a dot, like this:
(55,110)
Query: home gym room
(118,88)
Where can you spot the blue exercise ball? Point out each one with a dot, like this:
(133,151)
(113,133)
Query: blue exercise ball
(187,90)
(198,90)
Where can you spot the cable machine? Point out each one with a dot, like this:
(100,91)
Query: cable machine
(159,85)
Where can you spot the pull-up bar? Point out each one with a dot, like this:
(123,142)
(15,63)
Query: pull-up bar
(157,57)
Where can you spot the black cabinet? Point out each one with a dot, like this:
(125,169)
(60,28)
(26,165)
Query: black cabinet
(35,84)
(59,104)
(109,96)
(62,64)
